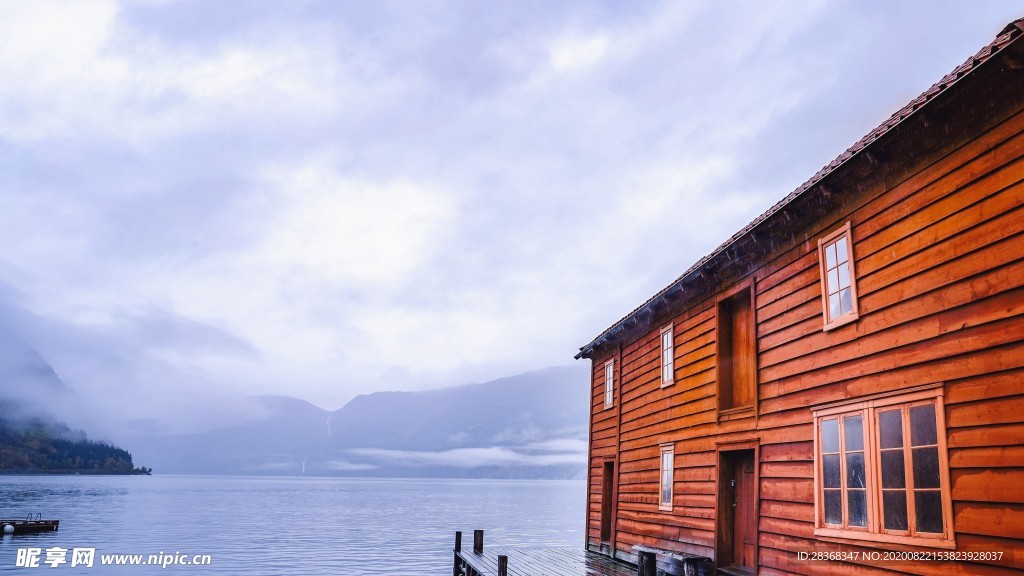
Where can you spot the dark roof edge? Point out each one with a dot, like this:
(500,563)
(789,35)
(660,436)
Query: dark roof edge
(1010,32)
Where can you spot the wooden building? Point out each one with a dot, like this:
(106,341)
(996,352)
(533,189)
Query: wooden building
(839,387)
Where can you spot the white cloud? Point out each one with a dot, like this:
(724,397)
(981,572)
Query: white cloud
(346,466)
(561,445)
(398,199)
(575,52)
(352,231)
(552,454)
(71,72)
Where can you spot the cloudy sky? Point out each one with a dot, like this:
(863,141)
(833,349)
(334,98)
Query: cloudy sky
(321,199)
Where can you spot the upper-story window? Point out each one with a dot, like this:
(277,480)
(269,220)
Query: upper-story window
(737,354)
(839,283)
(668,351)
(609,383)
(881,470)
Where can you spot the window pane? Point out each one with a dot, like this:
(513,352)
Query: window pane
(833,281)
(831,471)
(830,256)
(854,433)
(895,510)
(841,250)
(833,507)
(844,275)
(855,470)
(926,467)
(890,429)
(846,301)
(857,503)
(666,477)
(830,435)
(609,384)
(833,306)
(922,425)
(928,511)
(893,473)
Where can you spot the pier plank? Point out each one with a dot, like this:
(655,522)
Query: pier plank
(545,562)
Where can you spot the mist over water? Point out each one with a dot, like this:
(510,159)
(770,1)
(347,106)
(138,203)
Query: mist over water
(265,525)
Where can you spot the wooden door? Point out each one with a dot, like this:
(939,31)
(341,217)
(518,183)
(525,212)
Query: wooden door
(736,544)
(745,516)
(607,498)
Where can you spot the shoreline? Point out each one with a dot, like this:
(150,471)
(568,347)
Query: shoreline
(85,472)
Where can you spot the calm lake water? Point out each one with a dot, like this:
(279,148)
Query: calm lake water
(285,525)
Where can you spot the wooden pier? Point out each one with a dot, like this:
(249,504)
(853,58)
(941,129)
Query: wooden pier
(509,561)
(28,526)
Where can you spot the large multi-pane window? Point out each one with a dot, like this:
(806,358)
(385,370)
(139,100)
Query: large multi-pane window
(881,470)
(839,283)
(667,472)
(609,383)
(667,356)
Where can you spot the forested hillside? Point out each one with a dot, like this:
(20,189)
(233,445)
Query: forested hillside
(37,446)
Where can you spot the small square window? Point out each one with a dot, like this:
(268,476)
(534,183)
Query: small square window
(839,284)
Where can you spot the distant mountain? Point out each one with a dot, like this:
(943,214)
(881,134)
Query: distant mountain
(532,425)
(274,443)
(527,408)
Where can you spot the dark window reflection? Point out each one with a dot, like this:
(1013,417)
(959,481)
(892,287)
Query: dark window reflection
(894,506)
(890,429)
(928,512)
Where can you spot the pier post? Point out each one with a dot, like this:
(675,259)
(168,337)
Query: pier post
(502,565)
(647,564)
(456,569)
(478,541)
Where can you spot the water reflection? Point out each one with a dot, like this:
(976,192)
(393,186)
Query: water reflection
(290,525)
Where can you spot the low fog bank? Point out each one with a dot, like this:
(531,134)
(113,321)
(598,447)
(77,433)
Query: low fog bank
(532,425)
(114,377)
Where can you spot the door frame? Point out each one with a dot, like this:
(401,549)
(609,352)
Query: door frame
(722,450)
(609,496)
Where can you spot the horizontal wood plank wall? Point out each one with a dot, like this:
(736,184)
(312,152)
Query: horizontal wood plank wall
(603,433)
(939,259)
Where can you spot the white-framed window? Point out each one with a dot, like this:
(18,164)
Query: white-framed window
(668,349)
(882,471)
(667,477)
(838,278)
(609,383)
